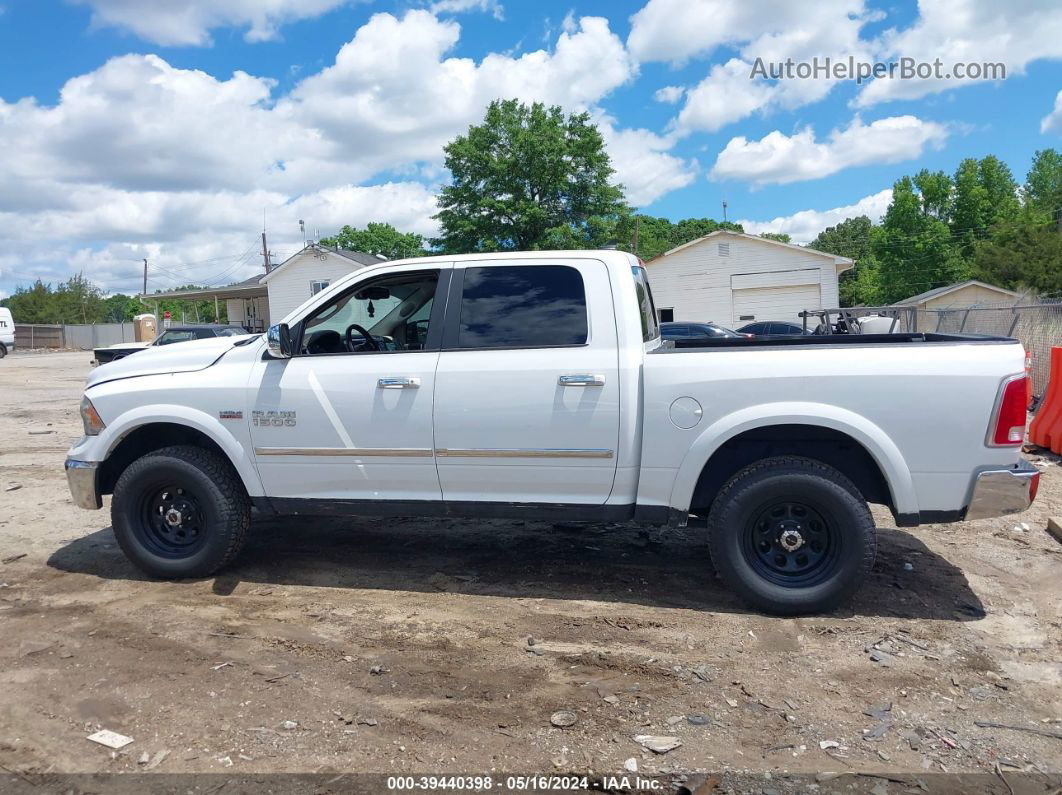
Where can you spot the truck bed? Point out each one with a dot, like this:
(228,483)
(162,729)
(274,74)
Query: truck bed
(829,339)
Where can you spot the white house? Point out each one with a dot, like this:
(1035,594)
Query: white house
(306,273)
(253,302)
(732,279)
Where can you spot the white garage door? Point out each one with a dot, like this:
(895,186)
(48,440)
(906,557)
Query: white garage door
(775,303)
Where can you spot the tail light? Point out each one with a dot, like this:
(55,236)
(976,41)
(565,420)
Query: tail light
(1007,428)
(1028,376)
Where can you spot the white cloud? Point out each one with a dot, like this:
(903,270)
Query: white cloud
(805,225)
(968,31)
(677,30)
(726,95)
(492,7)
(779,158)
(1052,122)
(189,22)
(643,163)
(141,158)
(669,94)
(393,97)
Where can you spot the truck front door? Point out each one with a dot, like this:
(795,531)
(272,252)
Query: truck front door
(526,393)
(349,415)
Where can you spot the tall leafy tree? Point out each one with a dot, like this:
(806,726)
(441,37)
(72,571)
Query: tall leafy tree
(985,194)
(378,238)
(914,250)
(1025,250)
(528,178)
(655,236)
(852,238)
(1042,191)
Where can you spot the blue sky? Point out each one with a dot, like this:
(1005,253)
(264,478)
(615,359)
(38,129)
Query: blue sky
(174,130)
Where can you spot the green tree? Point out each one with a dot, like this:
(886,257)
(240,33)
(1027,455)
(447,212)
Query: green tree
(378,238)
(935,188)
(1042,191)
(528,178)
(781,237)
(852,238)
(985,194)
(120,308)
(1025,252)
(913,249)
(659,235)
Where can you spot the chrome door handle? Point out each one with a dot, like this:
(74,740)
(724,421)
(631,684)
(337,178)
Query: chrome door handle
(398,383)
(581,380)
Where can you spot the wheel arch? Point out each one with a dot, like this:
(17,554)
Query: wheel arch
(162,426)
(804,429)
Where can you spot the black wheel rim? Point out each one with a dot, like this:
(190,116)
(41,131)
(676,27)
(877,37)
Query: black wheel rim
(172,524)
(791,543)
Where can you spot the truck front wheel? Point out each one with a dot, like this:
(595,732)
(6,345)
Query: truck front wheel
(791,536)
(180,512)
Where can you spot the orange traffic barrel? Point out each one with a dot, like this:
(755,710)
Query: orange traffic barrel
(1046,428)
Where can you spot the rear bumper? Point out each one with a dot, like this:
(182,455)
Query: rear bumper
(82,478)
(999,492)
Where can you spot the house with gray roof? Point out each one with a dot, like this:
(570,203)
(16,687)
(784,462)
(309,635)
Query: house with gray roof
(260,300)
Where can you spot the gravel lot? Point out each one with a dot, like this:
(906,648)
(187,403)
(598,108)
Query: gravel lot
(445,646)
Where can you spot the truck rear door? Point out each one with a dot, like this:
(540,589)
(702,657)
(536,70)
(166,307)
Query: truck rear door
(526,392)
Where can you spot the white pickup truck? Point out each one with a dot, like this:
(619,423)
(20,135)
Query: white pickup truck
(536,386)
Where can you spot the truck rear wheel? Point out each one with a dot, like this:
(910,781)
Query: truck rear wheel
(791,536)
(180,512)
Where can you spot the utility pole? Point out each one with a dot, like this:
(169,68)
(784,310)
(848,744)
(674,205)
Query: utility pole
(724,211)
(265,252)
(145,275)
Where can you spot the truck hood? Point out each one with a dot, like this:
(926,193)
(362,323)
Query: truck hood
(128,345)
(181,357)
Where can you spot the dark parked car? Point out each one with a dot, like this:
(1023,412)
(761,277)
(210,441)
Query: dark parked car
(694,331)
(170,336)
(772,328)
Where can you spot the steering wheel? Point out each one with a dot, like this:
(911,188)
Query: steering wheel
(370,341)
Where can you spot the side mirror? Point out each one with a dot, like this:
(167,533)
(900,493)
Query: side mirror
(278,338)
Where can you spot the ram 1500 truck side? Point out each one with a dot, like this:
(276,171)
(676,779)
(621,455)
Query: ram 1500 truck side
(536,386)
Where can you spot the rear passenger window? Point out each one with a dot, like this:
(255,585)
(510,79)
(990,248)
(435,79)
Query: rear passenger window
(522,306)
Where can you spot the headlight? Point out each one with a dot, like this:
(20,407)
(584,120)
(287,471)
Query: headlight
(90,418)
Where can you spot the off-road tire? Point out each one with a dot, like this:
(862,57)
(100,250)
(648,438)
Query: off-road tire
(220,498)
(735,529)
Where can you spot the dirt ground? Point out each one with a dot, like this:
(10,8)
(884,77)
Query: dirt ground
(436,646)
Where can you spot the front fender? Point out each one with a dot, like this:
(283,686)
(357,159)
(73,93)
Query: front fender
(881,448)
(99,448)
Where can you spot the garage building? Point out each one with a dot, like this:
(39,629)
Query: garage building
(731,279)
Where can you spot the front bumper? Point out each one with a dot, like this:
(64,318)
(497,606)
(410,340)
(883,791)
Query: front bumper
(999,492)
(82,478)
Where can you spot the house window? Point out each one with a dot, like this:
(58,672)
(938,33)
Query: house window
(317,285)
(667,315)
(724,249)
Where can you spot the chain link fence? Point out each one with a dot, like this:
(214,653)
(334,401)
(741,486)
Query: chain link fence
(1038,326)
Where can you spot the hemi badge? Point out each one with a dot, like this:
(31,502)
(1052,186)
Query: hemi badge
(231,415)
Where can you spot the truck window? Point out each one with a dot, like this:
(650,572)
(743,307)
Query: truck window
(393,310)
(650,329)
(522,306)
